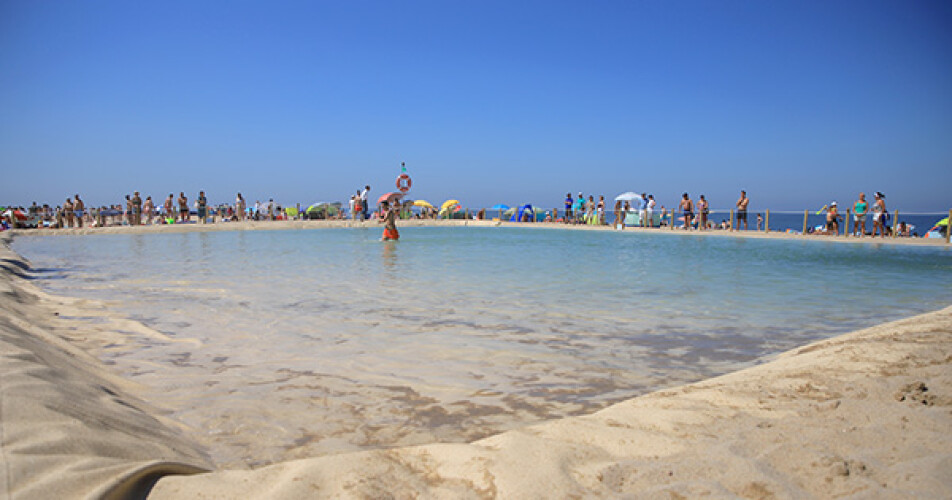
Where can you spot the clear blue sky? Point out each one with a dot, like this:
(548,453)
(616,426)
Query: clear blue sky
(797,102)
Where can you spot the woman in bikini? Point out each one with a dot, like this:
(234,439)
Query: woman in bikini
(389,223)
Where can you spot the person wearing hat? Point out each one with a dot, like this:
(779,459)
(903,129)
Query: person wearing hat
(579,207)
(879,215)
(832,220)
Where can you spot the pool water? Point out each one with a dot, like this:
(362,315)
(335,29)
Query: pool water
(287,344)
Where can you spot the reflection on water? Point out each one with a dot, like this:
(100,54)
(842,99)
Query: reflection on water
(287,344)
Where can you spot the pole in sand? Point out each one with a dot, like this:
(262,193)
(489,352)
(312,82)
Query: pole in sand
(767,222)
(805,214)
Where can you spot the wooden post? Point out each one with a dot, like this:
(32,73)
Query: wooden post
(732,220)
(767,222)
(846,232)
(895,228)
(806,214)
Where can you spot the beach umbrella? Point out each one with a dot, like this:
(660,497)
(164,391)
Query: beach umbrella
(388,197)
(448,203)
(628,196)
(422,203)
(501,207)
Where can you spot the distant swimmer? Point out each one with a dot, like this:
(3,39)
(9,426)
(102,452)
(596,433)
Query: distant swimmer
(389,223)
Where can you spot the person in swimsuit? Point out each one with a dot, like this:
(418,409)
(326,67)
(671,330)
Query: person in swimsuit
(168,208)
(202,207)
(643,210)
(149,208)
(742,209)
(702,210)
(80,208)
(389,223)
(568,207)
(687,209)
(832,220)
(601,210)
(183,207)
(579,207)
(136,209)
(618,217)
(859,215)
(879,215)
(649,214)
(68,212)
(240,207)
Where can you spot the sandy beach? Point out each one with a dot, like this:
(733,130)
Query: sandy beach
(865,414)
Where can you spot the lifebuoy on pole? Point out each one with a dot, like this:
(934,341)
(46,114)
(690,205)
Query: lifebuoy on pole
(404,183)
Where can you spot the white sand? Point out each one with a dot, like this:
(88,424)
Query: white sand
(867,414)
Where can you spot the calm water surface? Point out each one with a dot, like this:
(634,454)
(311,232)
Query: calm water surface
(289,344)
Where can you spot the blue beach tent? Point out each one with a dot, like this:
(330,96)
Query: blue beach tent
(517,214)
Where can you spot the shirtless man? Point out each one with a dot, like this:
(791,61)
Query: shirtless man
(183,207)
(80,209)
(742,209)
(687,209)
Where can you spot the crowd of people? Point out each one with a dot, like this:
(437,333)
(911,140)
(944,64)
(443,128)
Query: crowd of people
(647,213)
(136,210)
(641,210)
(860,210)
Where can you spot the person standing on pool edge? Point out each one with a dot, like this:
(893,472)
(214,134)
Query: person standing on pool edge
(687,209)
(389,223)
(363,202)
(202,207)
(742,203)
(183,207)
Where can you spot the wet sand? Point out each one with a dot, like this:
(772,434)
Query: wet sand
(862,414)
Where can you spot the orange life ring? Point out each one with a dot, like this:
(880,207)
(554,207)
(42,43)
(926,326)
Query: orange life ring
(404,183)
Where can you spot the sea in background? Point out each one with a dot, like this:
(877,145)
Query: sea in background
(790,221)
(274,345)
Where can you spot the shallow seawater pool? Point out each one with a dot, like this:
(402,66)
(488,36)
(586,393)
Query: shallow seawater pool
(288,344)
